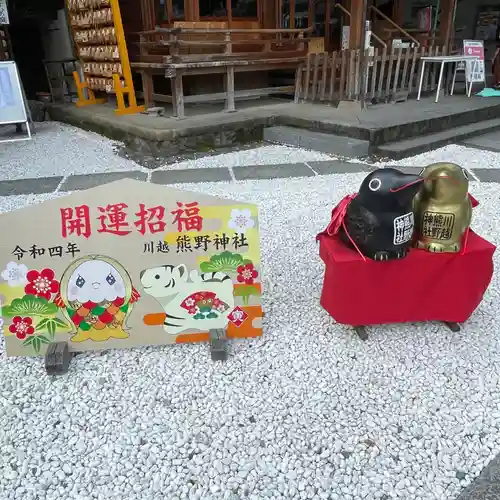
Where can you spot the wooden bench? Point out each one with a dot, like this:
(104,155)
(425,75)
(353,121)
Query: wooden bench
(175,63)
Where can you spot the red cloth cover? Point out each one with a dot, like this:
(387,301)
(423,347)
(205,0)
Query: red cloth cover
(423,286)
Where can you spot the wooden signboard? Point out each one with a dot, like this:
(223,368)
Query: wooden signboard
(129,264)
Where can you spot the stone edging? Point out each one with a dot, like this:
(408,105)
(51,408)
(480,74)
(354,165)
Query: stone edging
(44,185)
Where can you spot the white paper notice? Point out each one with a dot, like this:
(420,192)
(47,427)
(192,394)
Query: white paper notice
(6,90)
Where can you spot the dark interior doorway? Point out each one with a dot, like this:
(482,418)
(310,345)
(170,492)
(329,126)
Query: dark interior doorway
(27,17)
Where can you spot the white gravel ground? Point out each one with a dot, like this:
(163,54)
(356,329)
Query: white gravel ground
(306,412)
(264,155)
(59,149)
(469,158)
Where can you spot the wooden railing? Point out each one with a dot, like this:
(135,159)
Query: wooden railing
(396,26)
(179,52)
(390,74)
(209,43)
(348,14)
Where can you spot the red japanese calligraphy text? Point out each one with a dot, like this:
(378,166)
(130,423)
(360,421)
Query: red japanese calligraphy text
(75,221)
(114,219)
(187,217)
(150,218)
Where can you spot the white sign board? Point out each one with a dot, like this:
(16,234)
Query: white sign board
(12,101)
(4,13)
(346,33)
(12,109)
(475,70)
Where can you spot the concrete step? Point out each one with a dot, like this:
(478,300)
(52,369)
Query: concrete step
(317,141)
(398,150)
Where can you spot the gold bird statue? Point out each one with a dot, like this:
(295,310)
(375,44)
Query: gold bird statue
(443,209)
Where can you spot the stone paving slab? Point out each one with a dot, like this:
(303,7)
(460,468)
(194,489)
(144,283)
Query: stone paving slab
(338,167)
(273,171)
(252,172)
(191,175)
(487,174)
(80,182)
(487,484)
(28,186)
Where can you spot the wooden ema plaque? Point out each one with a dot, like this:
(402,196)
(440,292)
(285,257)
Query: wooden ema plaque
(129,264)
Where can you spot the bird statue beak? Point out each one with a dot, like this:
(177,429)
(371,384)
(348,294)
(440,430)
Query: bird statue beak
(408,181)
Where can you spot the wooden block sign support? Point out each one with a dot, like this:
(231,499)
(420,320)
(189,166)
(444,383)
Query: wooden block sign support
(129,264)
(100,41)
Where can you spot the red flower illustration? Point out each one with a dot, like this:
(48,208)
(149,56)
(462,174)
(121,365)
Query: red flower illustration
(21,327)
(41,284)
(247,274)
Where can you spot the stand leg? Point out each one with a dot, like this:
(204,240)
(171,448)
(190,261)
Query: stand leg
(218,345)
(421,80)
(57,358)
(454,327)
(454,79)
(28,129)
(361,332)
(473,71)
(440,81)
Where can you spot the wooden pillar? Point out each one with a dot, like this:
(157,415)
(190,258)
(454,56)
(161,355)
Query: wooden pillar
(279,14)
(170,11)
(446,22)
(328,15)
(310,14)
(148,14)
(291,23)
(355,22)
(229,11)
(269,14)
(398,13)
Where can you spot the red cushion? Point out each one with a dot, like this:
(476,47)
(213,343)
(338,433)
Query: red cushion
(423,286)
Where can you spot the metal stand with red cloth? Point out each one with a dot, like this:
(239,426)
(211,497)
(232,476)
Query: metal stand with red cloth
(361,292)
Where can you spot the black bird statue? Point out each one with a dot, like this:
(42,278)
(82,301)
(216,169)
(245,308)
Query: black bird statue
(379,220)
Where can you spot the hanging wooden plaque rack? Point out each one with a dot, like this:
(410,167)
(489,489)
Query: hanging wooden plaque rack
(100,42)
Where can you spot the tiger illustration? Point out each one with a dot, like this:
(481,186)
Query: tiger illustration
(190,300)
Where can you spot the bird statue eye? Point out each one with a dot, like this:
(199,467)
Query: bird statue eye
(110,279)
(374,184)
(80,281)
(466,174)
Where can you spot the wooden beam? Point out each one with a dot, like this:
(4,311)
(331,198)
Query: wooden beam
(279,14)
(196,10)
(446,22)
(311,14)
(170,11)
(148,14)
(355,33)
(398,13)
(328,15)
(229,12)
